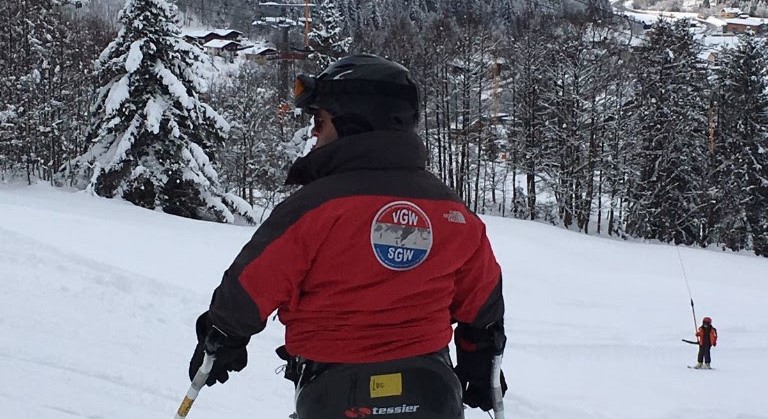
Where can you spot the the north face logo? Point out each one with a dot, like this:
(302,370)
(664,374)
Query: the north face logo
(357,412)
(455,217)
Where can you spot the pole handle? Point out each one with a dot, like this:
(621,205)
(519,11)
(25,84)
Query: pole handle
(695,323)
(496,394)
(194,388)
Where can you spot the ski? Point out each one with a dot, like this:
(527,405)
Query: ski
(702,368)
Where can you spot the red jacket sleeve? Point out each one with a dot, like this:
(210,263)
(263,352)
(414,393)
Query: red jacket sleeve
(269,269)
(478,299)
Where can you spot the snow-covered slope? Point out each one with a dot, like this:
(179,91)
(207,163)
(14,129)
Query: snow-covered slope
(99,300)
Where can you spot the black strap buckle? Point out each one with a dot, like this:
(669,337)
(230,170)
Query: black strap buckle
(294,367)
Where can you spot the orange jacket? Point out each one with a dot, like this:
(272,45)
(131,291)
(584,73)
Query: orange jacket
(712,335)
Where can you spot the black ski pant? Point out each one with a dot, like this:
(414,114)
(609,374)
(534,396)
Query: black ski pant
(422,387)
(704,355)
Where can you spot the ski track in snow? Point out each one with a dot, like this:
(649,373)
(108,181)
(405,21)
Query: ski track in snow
(100,300)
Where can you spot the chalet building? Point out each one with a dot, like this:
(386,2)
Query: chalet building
(218,42)
(708,57)
(221,47)
(204,36)
(754,25)
(259,53)
(730,12)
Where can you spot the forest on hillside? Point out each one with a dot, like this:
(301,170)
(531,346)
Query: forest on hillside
(548,111)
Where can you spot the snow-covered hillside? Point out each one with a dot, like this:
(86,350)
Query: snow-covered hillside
(99,300)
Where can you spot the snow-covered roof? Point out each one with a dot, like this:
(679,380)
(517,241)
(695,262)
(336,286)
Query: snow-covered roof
(750,21)
(734,10)
(280,21)
(219,43)
(202,33)
(716,21)
(258,49)
(716,42)
(652,16)
(643,18)
(707,55)
(274,3)
(277,19)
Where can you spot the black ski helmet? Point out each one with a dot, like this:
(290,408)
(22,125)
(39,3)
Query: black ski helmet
(363,93)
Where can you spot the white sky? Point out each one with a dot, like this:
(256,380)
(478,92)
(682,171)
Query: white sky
(100,299)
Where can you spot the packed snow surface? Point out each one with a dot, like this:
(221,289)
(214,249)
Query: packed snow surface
(100,298)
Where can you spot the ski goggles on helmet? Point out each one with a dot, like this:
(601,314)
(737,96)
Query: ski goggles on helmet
(312,93)
(304,90)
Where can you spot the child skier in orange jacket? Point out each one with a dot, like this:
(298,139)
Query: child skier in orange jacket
(707,337)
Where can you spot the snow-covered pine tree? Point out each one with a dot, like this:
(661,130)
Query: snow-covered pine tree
(327,37)
(616,144)
(581,73)
(31,35)
(740,151)
(43,98)
(667,187)
(373,17)
(350,9)
(758,186)
(431,75)
(255,159)
(151,131)
(87,36)
(529,53)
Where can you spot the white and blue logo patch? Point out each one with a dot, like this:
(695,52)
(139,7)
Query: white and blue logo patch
(401,236)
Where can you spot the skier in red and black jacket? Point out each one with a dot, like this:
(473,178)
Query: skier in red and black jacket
(368,265)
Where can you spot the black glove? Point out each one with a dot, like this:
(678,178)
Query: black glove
(230,351)
(475,350)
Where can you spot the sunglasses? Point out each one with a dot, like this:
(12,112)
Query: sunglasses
(319,123)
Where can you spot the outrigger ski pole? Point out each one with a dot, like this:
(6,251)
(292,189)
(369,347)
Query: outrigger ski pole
(693,309)
(498,397)
(197,383)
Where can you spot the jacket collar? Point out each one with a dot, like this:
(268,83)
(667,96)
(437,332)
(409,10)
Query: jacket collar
(374,150)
